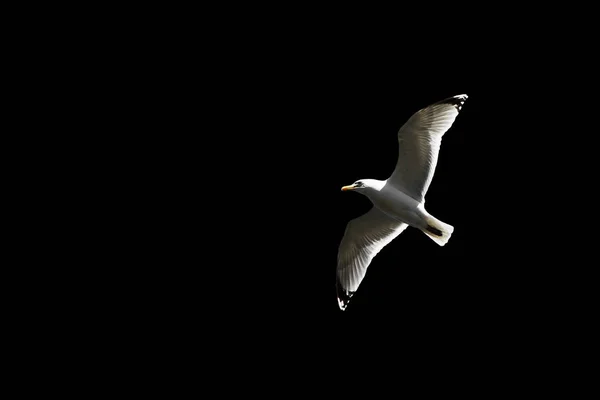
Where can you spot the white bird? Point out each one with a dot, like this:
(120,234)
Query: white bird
(399,201)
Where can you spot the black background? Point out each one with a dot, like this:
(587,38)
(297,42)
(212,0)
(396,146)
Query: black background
(215,234)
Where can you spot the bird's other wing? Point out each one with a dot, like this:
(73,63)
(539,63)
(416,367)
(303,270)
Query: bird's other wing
(364,237)
(419,140)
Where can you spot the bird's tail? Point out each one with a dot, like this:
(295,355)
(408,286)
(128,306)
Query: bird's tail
(438,231)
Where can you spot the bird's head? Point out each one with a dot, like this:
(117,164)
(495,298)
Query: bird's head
(365,185)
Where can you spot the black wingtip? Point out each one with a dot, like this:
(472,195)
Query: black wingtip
(456,101)
(343,296)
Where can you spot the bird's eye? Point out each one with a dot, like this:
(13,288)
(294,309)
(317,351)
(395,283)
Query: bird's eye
(359,183)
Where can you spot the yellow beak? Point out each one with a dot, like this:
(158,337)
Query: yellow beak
(349,187)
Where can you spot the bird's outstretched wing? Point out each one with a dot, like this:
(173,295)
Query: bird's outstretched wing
(419,140)
(364,237)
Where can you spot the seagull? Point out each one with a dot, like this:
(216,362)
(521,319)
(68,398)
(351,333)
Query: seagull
(399,201)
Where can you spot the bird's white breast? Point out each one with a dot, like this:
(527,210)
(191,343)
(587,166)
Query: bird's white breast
(398,205)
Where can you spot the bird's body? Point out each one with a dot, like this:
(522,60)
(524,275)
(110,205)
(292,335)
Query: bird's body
(398,205)
(399,201)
